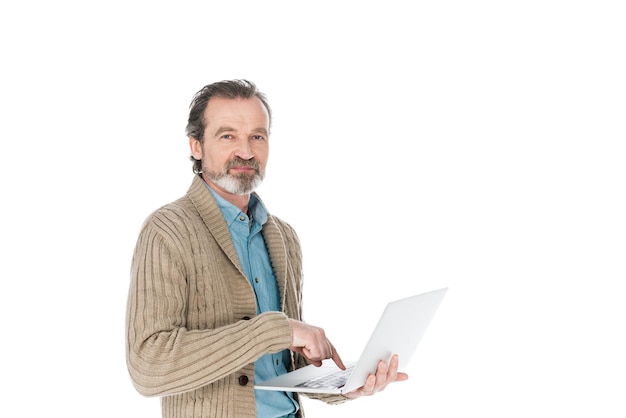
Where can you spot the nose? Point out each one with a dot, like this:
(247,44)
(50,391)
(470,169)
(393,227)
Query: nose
(244,150)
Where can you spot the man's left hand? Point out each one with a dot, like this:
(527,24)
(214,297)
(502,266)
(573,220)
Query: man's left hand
(379,381)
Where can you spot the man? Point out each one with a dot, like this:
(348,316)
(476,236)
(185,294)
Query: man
(215,298)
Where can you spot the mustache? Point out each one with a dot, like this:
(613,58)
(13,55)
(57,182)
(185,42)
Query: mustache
(240,162)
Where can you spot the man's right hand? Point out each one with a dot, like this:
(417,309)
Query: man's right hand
(311,342)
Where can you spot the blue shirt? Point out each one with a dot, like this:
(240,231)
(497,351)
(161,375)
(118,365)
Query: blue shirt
(254,257)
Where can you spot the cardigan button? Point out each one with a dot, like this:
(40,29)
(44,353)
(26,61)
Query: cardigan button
(243,380)
(246,318)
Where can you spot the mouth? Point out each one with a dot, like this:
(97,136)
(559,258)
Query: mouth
(239,166)
(243,169)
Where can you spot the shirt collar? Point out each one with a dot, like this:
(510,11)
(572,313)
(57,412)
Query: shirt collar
(232,213)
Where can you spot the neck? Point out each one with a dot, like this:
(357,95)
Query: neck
(241,201)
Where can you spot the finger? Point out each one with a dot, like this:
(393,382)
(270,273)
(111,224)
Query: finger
(314,360)
(392,372)
(393,375)
(370,384)
(381,376)
(401,377)
(337,359)
(366,390)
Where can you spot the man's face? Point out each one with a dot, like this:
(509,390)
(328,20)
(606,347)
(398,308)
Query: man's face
(235,148)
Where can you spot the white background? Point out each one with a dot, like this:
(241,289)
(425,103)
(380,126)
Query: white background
(416,145)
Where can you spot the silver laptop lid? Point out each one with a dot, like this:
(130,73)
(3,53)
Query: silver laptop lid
(399,331)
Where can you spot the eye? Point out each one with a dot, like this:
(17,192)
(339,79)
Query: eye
(258,137)
(227,136)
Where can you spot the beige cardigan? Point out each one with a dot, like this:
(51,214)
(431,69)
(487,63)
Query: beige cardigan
(192,330)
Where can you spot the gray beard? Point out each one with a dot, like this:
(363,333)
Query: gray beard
(239,185)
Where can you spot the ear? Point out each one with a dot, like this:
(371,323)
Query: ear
(196,148)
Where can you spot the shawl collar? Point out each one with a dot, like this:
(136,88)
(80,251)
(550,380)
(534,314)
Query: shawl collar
(276,247)
(214,220)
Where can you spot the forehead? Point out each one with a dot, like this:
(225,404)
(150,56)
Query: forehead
(238,112)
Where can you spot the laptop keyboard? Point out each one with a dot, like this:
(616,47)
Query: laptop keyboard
(334,380)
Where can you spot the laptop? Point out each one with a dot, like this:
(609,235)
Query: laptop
(399,331)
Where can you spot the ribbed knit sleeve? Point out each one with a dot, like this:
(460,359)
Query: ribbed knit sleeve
(191,315)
